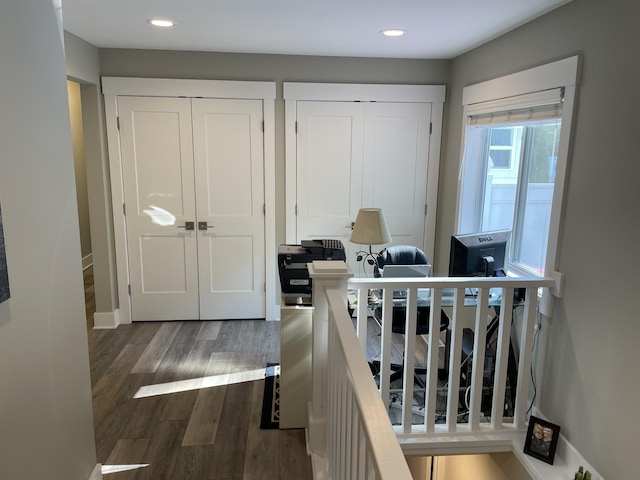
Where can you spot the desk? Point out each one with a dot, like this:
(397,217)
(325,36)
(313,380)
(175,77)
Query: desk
(375,303)
(424,302)
(424,298)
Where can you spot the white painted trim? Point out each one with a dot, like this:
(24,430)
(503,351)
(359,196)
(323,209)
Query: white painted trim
(535,86)
(290,170)
(557,210)
(271,247)
(565,465)
(545,77)
(117,202)
(112,87)
(170,87)
(433,175)
(319,467)
(106,320)
(350,92)
(96,473)
(316,433)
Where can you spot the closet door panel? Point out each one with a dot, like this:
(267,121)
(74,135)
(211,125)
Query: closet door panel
(157,163)
(396,149)
(329,169)
(229,179)
(362,154)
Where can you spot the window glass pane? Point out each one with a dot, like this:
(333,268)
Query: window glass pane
(501,180)
(501,137)
(536,196)
(507,183)
(500,158)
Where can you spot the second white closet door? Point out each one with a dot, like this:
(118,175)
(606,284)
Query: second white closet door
(396,152)
(354,154)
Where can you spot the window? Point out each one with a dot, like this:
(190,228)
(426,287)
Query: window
(513,164)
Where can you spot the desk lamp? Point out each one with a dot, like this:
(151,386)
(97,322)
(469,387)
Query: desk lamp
(370,229)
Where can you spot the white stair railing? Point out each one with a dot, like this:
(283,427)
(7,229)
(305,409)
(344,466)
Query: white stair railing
(491,293)
(349,433)
(360,440)
(348,426)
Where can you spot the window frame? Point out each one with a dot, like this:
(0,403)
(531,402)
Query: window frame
(529,88)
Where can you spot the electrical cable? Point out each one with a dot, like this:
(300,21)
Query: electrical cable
(431,469)
(467,395)
(533,348)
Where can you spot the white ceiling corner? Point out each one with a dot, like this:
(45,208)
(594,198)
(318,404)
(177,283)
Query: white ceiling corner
(436,29)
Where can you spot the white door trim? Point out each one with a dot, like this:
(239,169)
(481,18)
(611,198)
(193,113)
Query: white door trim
(351,92)
(112,87)
(433,94)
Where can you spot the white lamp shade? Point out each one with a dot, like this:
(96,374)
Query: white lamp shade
(370,228)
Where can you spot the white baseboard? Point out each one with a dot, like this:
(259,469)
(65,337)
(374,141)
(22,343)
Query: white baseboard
(96,474)
(319,467)
(565,465)
(316,434)
(106,320)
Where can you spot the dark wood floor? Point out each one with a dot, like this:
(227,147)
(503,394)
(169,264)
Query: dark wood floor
(156,413)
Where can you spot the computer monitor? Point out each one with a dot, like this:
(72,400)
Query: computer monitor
(478,254)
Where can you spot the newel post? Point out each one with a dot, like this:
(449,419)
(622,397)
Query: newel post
(324,275)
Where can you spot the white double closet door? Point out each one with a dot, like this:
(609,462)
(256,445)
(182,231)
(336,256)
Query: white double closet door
(362,154)
(193,183)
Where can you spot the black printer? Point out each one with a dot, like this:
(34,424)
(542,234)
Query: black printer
(292,265)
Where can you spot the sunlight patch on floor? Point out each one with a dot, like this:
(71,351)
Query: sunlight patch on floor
(107,469)
(198,383)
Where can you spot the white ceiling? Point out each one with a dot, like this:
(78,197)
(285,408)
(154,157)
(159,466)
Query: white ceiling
(436,29)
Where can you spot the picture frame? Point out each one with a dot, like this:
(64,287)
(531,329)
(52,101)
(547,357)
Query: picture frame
(542,439)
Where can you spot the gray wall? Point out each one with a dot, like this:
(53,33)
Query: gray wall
(274,68)
(590,382)
(77,140)
(46,421)
(82,63)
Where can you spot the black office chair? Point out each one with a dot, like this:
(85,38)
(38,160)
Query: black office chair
(406,255)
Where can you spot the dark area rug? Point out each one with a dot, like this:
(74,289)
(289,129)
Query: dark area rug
(271,400)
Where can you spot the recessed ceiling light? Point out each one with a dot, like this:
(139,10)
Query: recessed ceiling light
(393,32)
(161,22)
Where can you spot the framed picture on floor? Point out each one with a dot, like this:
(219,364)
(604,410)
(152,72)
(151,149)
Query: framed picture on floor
(4,275)
(542,439)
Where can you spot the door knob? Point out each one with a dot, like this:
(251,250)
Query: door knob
(188,226)
(203,226)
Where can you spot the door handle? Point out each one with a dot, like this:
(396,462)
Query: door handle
(188,226)
(204,226)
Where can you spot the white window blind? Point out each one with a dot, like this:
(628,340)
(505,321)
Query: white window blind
(518,116)
(534,106)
